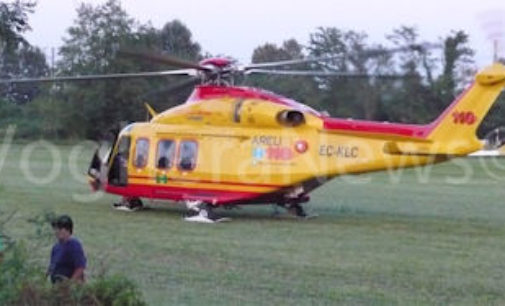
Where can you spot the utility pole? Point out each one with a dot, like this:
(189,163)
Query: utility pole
(495,51)
(52,61)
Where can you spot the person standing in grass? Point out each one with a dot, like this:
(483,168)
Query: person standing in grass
(68,260)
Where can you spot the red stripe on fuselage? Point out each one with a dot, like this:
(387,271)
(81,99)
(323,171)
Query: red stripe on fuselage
(362,126)
(214,196)
(374,127)
(207,182)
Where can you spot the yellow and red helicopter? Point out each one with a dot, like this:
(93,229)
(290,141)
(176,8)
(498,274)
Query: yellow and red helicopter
(229,145)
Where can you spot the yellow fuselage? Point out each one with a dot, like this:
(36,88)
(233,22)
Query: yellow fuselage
(244,151)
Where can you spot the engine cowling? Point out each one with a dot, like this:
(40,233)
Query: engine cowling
(291,118)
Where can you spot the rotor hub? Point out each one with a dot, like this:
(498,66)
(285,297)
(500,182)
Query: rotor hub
(217,62)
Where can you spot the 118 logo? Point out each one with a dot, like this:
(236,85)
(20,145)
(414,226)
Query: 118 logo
(467,118)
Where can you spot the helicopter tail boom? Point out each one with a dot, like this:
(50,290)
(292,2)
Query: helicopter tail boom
(454,132)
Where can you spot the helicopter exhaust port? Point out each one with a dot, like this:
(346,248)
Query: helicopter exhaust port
(291,118)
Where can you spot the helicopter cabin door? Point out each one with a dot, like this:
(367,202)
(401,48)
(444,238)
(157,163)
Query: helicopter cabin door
(118,174)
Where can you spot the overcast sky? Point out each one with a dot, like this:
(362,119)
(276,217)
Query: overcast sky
(236,27)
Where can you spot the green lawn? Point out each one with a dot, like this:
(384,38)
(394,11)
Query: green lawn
(424,241)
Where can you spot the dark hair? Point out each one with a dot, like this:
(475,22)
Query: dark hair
(63,221)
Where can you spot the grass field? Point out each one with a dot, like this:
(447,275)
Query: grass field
(436,240)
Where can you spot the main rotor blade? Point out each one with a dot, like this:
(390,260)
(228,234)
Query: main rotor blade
(289,62)
(92,77)
(413,47)
(324,74)
(367,52)
(163,59)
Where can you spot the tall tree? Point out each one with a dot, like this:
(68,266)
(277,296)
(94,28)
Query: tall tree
(174,39)
(412,99)
(349,97)
(25,61)
(14,22)
(17,57)
(457,60)
(91,48)
(295,87)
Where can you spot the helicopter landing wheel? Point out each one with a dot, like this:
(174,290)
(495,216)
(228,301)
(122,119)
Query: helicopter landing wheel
(201,213)
(298,211)
(128,204)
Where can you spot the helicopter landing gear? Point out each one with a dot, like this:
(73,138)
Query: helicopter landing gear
(128,204)
(201,213)
(295,209)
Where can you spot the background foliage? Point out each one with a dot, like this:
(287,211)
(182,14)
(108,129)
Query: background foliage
(88,109)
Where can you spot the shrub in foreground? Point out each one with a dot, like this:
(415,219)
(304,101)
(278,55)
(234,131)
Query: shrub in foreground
(21,284)
(24,283)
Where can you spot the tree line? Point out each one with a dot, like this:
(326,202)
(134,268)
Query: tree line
(432,77)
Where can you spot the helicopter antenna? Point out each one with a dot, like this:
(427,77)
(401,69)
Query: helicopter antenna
(495,50)
(150,111)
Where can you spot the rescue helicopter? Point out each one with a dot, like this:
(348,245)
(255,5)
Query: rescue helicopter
(232,145)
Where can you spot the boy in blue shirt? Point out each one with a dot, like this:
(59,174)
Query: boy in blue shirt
(68,260)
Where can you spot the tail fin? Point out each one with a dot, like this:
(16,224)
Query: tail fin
(454,132)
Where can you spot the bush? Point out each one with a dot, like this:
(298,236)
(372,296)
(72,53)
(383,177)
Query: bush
(41,118)
(116,290)
(108,291)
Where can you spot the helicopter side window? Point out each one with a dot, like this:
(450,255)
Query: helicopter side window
(141,153)
(188,151)
(166,154)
